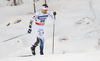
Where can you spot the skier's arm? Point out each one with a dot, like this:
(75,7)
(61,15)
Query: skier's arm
(51,16)
(31,21)
(30,24)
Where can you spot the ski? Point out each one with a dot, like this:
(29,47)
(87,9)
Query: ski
(26,55)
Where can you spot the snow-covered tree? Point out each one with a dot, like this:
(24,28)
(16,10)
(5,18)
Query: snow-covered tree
(14,2)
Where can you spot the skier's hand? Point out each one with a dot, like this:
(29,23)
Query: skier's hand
(54,13)
(29,31)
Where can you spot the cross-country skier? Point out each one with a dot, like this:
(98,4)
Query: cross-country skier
(39,18)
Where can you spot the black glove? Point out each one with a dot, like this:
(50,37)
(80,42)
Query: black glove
(54,13)
(29,30)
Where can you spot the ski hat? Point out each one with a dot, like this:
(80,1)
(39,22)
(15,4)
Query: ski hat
(44,7)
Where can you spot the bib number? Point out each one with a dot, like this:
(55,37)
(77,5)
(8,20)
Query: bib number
(42,21)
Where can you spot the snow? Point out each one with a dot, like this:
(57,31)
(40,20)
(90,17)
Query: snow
(77,31)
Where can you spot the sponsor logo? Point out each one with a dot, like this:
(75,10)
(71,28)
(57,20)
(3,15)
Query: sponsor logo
(42,17)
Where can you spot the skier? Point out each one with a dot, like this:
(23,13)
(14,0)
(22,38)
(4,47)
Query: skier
(39,18)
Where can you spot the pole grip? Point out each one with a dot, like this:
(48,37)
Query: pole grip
(54,13)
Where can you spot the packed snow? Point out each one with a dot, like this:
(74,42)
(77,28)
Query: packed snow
(77,31)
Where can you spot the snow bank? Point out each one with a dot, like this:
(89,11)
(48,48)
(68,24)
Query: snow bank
(77,32)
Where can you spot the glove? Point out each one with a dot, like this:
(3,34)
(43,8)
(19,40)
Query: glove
(29,31)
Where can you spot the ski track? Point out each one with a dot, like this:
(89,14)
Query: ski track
(77,31)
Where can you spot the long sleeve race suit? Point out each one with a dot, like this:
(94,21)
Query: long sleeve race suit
(39,19)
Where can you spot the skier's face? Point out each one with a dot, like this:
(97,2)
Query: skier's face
(44,11)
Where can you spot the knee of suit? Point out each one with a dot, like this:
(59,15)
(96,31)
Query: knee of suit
(41,45)
(37,42)
(41,42)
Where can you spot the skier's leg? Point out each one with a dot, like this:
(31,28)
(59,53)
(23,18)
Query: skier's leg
(40,39)
(41,46)
(37,42)
(35,45)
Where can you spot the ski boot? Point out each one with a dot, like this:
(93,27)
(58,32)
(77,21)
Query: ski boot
(41,53)
(33,50)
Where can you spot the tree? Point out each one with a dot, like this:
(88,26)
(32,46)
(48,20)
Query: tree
(15,3)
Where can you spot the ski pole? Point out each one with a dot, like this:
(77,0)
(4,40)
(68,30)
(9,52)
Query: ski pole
(34,6)
(54,13)
(45,2)
(15,37)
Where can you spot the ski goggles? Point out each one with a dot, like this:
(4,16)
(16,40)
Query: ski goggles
(45,8)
